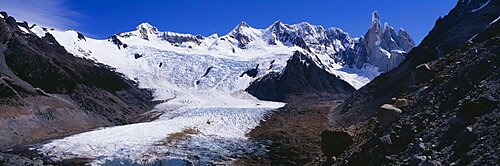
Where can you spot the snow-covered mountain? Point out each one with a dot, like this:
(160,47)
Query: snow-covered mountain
(200,78)
(355,60)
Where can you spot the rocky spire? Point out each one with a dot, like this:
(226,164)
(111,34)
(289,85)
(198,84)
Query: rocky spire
(383,48)
(376,23)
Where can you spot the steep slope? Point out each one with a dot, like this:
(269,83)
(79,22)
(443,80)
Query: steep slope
(447,92)
(45,92)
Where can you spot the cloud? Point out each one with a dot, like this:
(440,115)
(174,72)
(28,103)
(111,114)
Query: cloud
(47,13)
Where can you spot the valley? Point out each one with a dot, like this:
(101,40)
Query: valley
(285,94)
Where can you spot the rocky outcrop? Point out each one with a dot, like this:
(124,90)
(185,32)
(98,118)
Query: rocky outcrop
(50,93)
(300,78)
(450,86)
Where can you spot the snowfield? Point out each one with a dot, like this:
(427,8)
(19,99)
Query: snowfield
(207,113)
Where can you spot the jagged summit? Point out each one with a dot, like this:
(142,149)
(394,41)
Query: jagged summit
(383,48)
(375,17)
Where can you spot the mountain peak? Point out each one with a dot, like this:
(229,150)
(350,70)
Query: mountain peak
(277,25)
(147,26)
(242,28)
(243,24)
(387,27)
(145,29)
(244,34)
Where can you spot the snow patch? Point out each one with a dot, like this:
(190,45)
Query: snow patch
(494,21)
(481,7)
(386,53)
(399,51)
(23,29)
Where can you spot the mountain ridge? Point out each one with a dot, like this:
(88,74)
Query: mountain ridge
(332,49)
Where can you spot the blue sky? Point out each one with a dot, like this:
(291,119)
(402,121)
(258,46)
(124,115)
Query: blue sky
(101,18)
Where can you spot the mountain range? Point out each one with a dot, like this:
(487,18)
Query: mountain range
(354,60)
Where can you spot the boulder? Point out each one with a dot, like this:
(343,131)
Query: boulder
(388,114)
(334,143)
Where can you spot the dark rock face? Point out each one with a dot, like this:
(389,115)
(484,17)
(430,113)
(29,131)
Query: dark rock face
(179,39)
(117,41)
(4,14)
(47,92)
(454,110)
(137,56)
(252,72)
(207,71)
(81,36)
(301,78)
